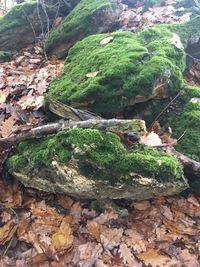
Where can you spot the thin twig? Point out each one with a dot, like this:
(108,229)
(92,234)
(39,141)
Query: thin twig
(164,109)
(181,136)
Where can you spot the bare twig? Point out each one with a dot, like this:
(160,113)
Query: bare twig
(164,109)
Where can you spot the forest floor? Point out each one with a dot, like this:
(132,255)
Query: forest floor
(40,229)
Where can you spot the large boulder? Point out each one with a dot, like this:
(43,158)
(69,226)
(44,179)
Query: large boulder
(87,18)
(87,163)
(107,73)
(25,22)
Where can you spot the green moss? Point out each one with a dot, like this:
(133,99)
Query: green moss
(79,23)
(16,163)
(128,66)
(100,156)
(187,120)
(17,16)
(5,56)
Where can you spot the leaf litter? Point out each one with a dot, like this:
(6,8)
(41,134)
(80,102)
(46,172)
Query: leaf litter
(57,230)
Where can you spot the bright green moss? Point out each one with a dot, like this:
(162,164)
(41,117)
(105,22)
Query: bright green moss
(79,23)
(100,156)
(128,66)
(16,163)
(188,120)
(5,56)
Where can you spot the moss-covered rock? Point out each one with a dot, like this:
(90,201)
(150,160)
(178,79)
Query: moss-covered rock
(23,24)
(132,68)
(5,56)
(87,18)
(87,159)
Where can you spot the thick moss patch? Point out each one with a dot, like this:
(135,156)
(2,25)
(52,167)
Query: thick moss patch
(188,120)
(127,67)
(85,19)
(100,156)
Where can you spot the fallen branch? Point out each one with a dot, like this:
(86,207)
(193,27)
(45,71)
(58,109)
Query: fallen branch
(190,166)
(43,130)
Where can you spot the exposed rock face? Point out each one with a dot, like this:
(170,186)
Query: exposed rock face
(87,163)
(88,17)
(67,179)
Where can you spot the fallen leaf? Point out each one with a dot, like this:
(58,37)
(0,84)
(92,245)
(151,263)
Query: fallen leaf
(107,40)
(111,238)
(142,205)
(92,74)
(128,256)
(7,231)
(63,238)
(7,127)
(154,258)
(94,229)
(89,253)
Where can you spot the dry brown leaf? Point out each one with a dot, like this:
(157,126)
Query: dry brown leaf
(37,259)
(128,257)
(154,258)
(134,240)
(65,201)
(7,231)
(89,253)
(142,205)
(106,217)
(63,238)
(94,229)
(26,102)
(23,228)
(7,127)
(111,238)
(5,216)
(166,212)
(177,227)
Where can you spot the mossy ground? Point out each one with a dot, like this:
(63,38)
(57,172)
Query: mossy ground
(100,156)
(78,23)
(4,56)
(128,66)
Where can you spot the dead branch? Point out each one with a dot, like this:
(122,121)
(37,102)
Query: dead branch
(190,166)
(43,130)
